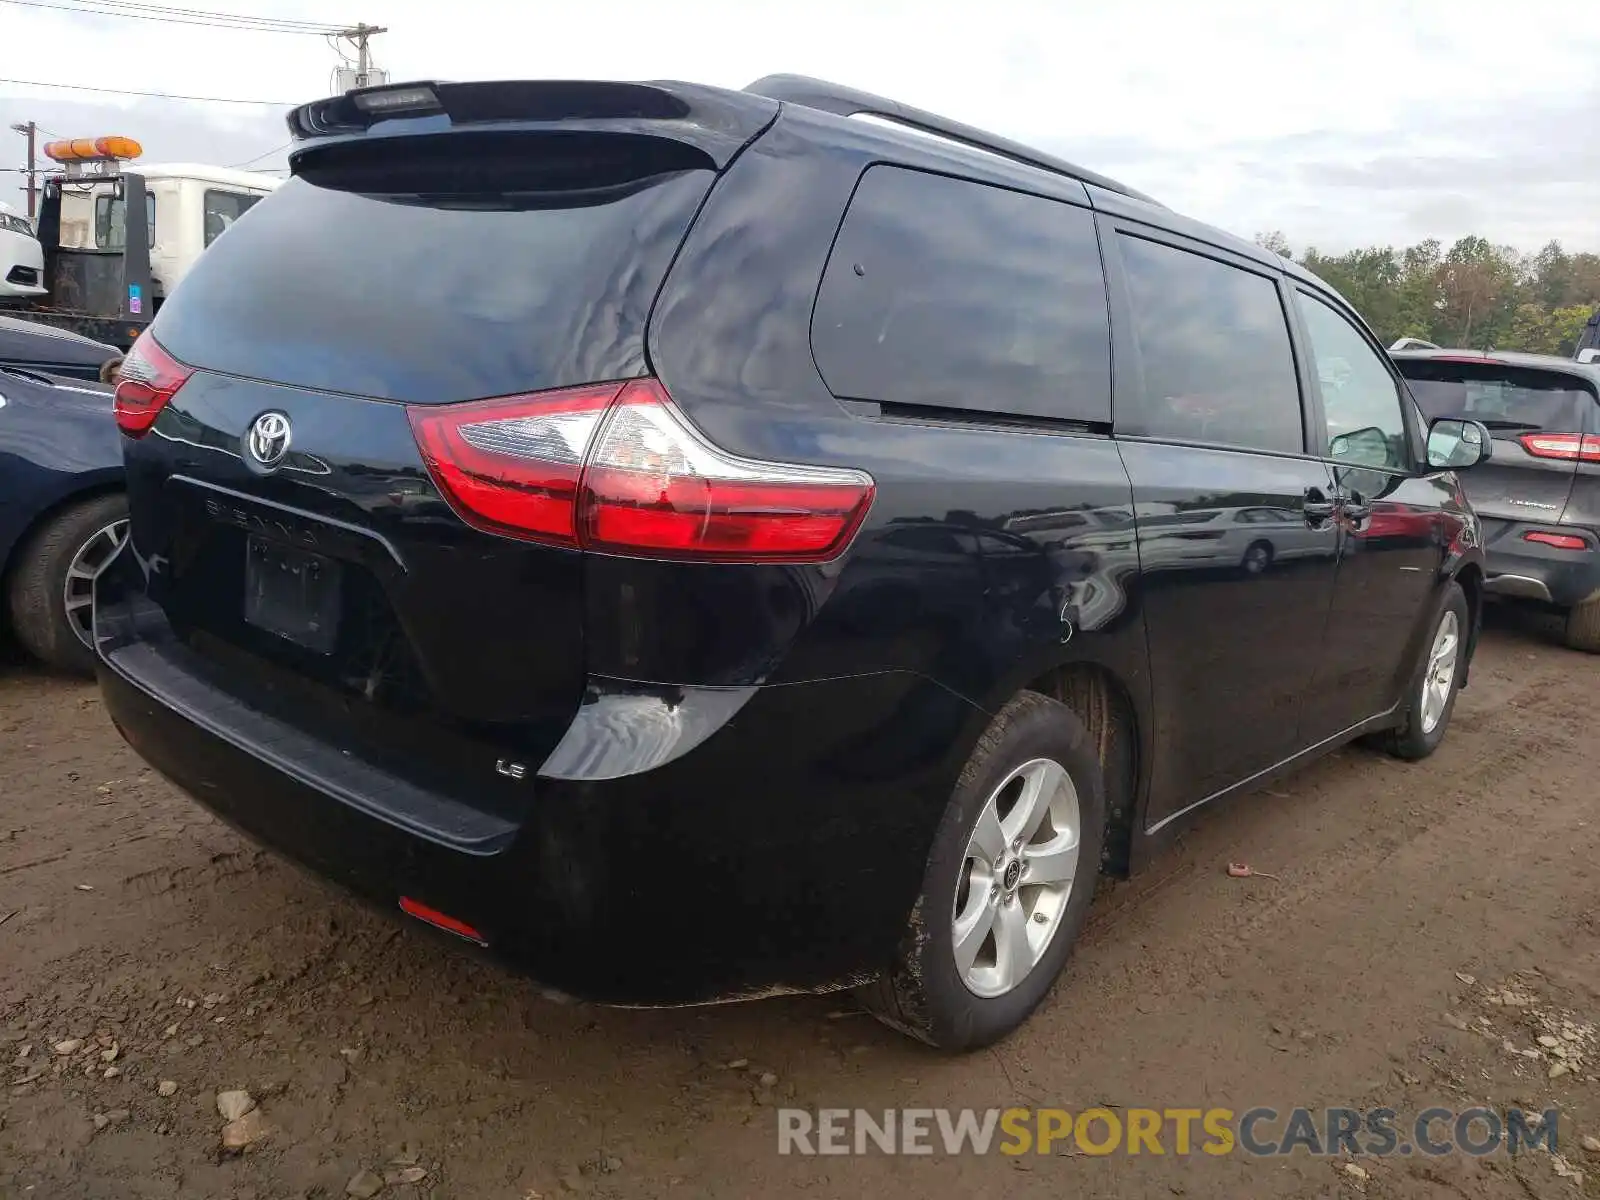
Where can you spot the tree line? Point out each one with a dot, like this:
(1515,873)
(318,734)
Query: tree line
(1474,295)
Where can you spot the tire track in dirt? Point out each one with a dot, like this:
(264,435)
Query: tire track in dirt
(1394,877)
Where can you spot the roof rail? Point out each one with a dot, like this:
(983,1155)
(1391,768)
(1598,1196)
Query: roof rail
(849,102)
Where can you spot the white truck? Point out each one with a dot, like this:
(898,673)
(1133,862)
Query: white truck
(187,207)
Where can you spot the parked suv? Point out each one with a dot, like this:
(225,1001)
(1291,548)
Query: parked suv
(700,545)
(1539,497)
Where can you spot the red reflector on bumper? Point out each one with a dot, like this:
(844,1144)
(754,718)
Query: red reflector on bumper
(440,921)
(1561,541)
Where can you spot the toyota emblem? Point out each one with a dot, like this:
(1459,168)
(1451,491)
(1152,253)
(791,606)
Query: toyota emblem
(268,441)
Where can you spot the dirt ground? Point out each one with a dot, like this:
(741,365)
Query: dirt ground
(1373,972)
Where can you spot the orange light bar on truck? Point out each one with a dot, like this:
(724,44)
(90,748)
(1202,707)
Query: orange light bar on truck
(91,149)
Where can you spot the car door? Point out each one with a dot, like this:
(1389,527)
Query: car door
(1393,527)
(1210,420)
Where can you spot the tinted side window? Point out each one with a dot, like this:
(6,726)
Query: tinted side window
(223,209)
(1214,343)
(951,294)
(1360,398)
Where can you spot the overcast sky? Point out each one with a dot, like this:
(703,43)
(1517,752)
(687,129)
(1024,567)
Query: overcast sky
(1340,122)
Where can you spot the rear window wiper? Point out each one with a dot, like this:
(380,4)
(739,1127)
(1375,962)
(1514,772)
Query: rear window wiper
(1493,424)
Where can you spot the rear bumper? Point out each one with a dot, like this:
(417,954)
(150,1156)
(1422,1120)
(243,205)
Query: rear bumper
(1527,570)
(782,853)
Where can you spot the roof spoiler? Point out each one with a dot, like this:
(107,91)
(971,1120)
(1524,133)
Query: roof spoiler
(713,120)
(849,102)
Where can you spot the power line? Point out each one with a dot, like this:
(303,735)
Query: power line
(248,25)
(83,87)
(145,6)
(259,157)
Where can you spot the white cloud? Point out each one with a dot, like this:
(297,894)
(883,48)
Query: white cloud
(1342,122)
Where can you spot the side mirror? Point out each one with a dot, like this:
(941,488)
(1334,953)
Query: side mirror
(1454,444)
(1367,445)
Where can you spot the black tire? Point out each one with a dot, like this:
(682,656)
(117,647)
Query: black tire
(923,993)
(1582,630)
(1409,740)
(1257,558)
(38,579)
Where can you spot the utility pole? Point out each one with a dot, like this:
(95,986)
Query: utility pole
(31,132)
(359,36)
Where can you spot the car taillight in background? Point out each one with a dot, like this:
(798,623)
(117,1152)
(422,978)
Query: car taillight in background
(617,468)
(1579,447)
(150,377)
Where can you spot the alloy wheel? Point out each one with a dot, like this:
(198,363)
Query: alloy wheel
(1018,872)
(91,558)
(1440,672)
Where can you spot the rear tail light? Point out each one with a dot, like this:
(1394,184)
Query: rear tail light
(618,468)
(1561,541)
(150,378)
(1574,447)
(512,466)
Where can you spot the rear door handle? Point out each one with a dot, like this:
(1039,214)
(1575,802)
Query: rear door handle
(1317,507)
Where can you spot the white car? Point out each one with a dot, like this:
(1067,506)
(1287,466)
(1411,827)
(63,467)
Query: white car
(21,257)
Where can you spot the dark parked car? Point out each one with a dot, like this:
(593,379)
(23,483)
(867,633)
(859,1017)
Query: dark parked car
(1539,496)
(36,347)
(744,571)
(63,512)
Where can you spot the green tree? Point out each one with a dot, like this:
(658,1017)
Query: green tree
(1478,286)
(1275,242)
(1475,294)
(1533,328)
(1567,325)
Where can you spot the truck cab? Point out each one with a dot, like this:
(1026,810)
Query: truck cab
(187,207)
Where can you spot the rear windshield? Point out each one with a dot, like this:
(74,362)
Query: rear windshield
(477,266)
(1508,400)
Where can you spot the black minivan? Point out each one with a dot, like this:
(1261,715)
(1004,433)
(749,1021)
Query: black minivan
(700,545)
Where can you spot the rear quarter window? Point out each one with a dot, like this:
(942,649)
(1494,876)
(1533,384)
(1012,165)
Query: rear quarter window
(944,293)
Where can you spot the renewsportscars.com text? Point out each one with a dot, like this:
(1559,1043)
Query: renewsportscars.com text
(1260,1132)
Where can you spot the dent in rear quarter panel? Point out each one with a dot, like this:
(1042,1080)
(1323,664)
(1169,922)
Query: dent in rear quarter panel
(981,540)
